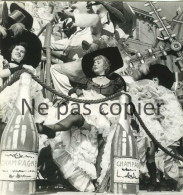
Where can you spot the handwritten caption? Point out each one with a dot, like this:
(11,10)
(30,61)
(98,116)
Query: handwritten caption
(18,165)
(126,170)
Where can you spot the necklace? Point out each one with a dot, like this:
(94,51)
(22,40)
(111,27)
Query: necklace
(101,76)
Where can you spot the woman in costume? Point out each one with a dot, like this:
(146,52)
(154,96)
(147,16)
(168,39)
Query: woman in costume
(75,151)
(17,53)
(163,119)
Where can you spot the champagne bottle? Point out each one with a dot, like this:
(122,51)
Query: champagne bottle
(124,159)
(19,146)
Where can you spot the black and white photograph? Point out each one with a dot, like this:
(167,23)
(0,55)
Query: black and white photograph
(91,97)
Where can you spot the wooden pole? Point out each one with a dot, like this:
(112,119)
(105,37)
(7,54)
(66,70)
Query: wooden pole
(44,27)
(47,44)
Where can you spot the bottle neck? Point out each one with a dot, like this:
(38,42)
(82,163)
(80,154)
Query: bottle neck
(23,99)
(124,117)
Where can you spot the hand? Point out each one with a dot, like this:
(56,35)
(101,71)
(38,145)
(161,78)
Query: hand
(79,92)
(30,68)
(3,32)
(104,109)
(126,63)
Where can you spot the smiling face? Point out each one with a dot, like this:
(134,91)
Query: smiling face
(18,53)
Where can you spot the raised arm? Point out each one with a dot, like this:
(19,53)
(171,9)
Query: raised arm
(5,73)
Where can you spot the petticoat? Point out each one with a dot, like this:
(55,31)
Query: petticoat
(166,126)
(165,123)
(75,154)
(9,95)
(75,151)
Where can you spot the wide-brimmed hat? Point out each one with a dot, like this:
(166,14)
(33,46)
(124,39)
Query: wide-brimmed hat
(120,13)
(17,15)
(111,53)
(165,77)
(33,53)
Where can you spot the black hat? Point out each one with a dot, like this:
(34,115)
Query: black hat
(34,47)
(165,77)
(17,15)
(111,53)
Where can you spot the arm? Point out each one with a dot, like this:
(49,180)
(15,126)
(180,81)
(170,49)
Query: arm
(9,71)
(5,73)
(11,68)
(30,68)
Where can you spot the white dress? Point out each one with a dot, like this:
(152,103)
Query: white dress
(167,128)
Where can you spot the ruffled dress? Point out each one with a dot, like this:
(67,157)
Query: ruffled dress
(9,95)
(75,151)
(165,122)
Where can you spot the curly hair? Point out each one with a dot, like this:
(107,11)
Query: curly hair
(107,64)
(23,44)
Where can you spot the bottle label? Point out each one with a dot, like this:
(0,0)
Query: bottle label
(126,170)
(18,165)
